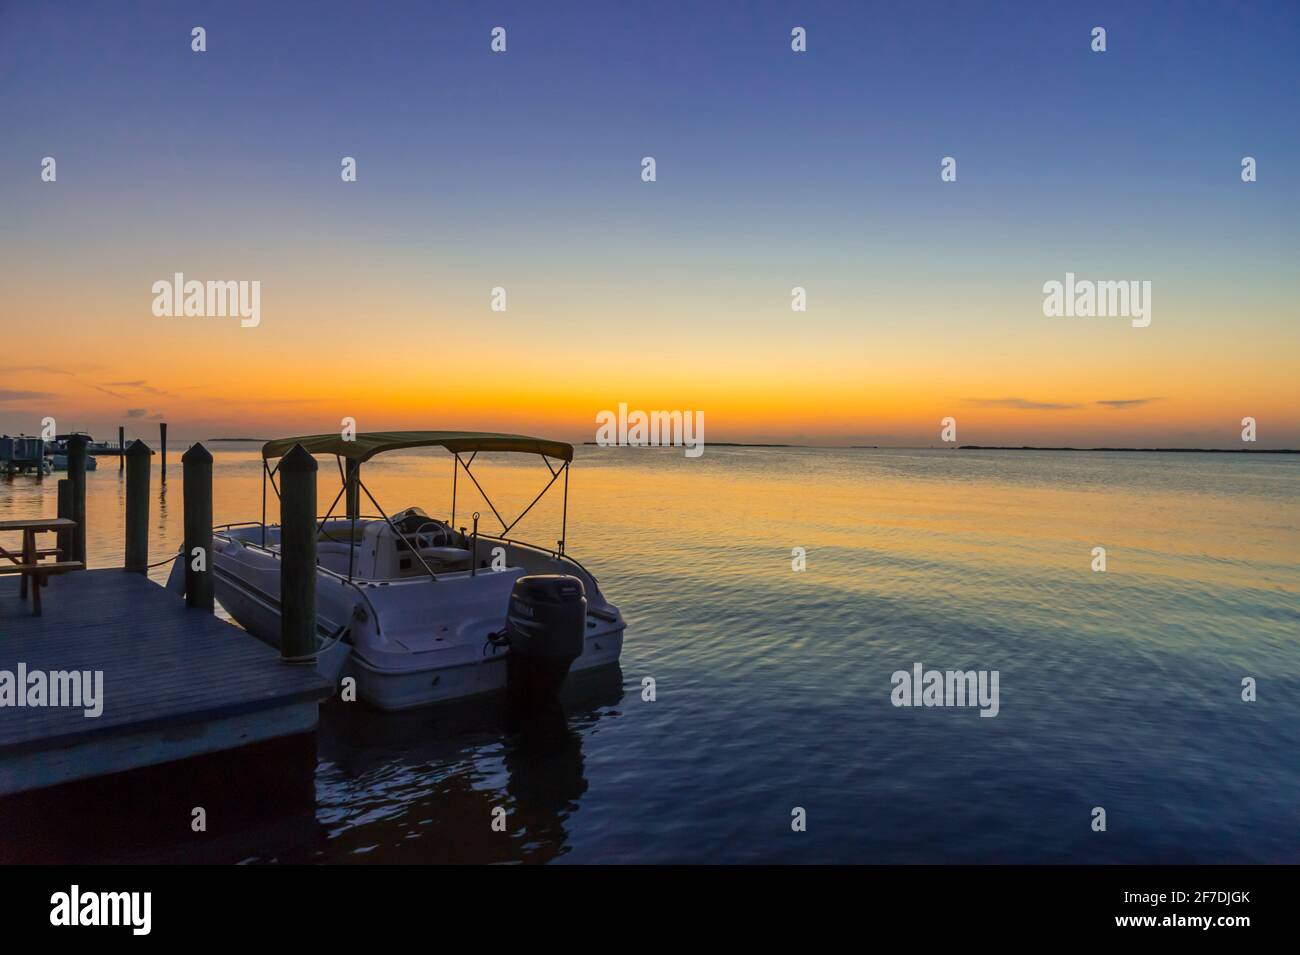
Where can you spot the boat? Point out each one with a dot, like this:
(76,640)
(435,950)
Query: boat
(56,451)
(58,461)
(412,608)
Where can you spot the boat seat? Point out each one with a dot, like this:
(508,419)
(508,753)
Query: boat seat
(333,547)
(445,555)
(342,534)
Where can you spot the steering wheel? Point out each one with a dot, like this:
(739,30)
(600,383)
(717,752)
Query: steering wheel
(437,538)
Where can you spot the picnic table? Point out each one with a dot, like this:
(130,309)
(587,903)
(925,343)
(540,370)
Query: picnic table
(27,562)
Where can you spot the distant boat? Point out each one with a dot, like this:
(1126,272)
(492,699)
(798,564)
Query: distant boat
(59,462)
(56,451)
(415,610)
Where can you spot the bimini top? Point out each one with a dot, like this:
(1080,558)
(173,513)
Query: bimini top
(366,445)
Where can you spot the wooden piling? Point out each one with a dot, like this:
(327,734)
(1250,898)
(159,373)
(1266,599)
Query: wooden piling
(298,555)
(121,447)
(162,434)
(65,511)
(77,479)
(137,507)
(196,493)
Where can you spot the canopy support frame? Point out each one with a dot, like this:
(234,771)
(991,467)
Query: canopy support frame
(268,475)
(505,528)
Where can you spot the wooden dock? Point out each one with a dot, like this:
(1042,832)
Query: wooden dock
(177,681)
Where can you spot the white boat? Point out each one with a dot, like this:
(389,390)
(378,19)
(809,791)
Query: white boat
(58,461)
(56,451)
(408,605)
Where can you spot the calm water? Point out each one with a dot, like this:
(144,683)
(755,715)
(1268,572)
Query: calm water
(1119,689)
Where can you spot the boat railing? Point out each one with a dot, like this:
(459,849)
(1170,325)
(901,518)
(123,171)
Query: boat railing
(331,633)
(233,524)
(557,554)
(552,552)
(320,569)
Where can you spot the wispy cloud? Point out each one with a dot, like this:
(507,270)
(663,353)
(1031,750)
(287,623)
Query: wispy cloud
(14,394)
(136,412)
(43,369)
(1020,404)
(125,389)
(137,385)
(1121,403)
(262,402)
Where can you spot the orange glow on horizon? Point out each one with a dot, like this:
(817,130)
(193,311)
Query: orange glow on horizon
(833,385)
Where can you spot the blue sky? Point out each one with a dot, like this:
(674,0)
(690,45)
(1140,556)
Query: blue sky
(774,169)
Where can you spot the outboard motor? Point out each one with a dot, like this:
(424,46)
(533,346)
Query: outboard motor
(545,624)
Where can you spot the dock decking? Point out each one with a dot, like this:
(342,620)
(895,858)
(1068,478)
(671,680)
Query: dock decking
(177,682)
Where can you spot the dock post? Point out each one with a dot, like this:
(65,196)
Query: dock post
(121,447)
(137,507)
(196,493)
(162,433)
(77,478)
(65,511)
(298,555)
(352,474)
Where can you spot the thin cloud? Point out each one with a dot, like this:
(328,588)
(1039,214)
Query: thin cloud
(43,369)
(1020,404)
(136,412)
(138,385)
(14,394)
(1117,404)
(260,402)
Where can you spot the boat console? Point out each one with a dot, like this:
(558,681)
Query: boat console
(440,546)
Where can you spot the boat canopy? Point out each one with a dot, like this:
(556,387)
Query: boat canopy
(367,444)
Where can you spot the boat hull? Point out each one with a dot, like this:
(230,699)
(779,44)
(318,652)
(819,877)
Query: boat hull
(402,690)
(406,643)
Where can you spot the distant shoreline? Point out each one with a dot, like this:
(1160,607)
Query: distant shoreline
(964,447)
(982,447)
(711,444)
(974,447)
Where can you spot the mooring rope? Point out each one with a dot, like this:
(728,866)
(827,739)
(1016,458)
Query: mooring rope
(327,645)
(165,560)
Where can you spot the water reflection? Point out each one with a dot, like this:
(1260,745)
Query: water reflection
(427,785)
(160,519)
(971,559)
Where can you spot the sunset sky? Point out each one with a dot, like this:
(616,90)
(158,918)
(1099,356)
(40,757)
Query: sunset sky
(775,169)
